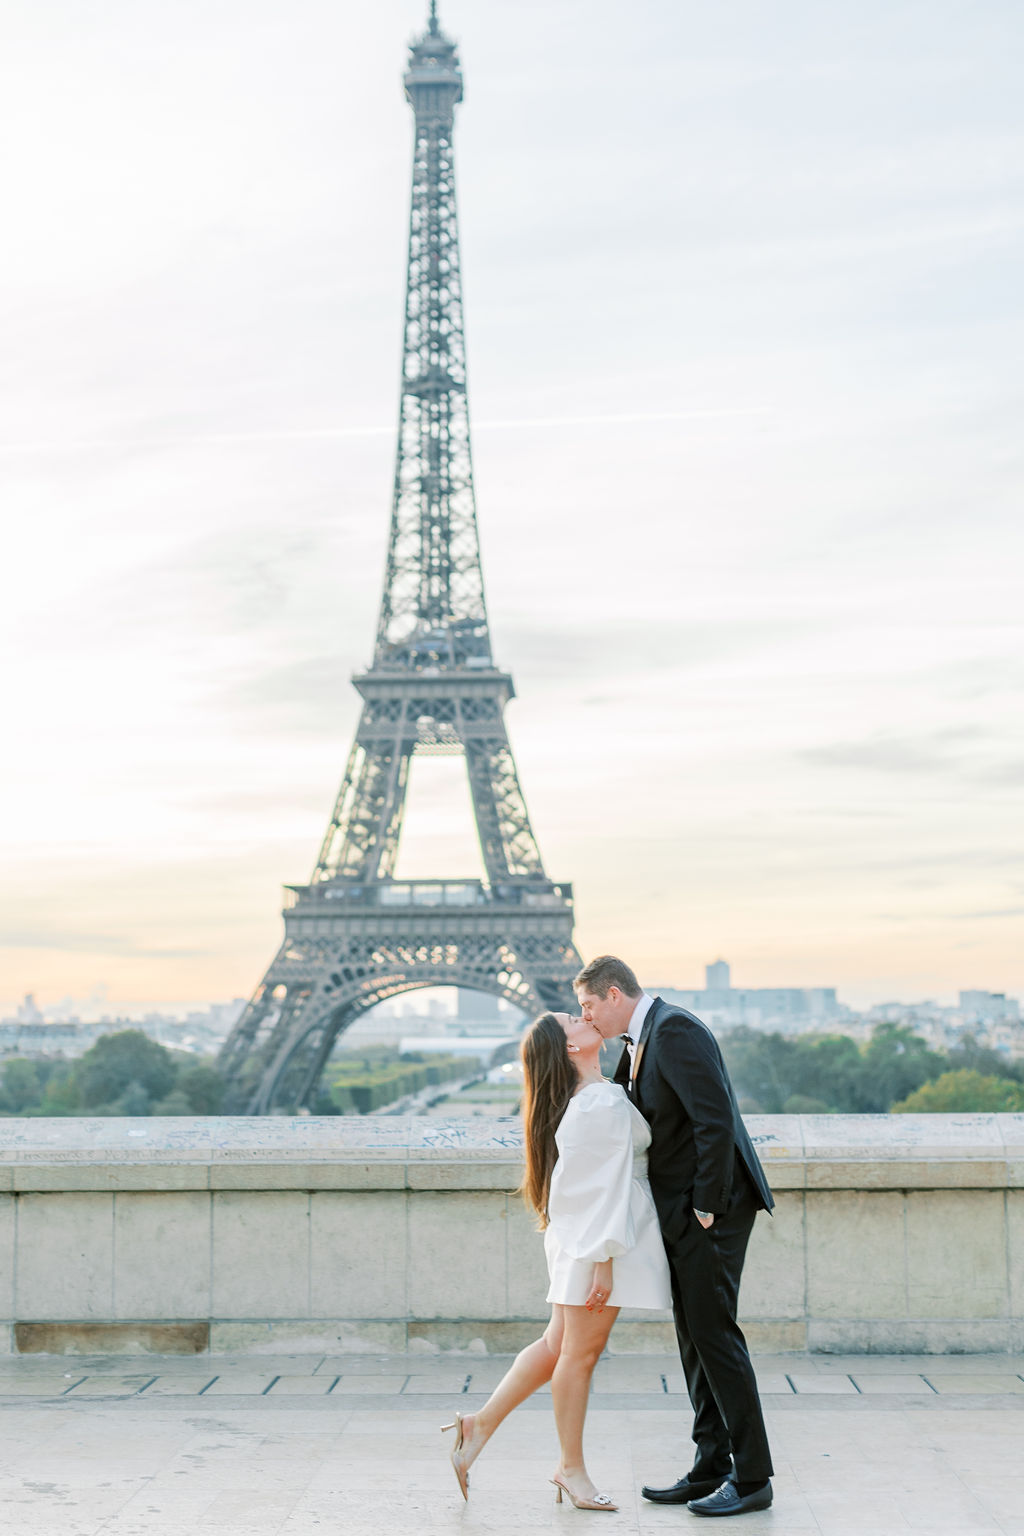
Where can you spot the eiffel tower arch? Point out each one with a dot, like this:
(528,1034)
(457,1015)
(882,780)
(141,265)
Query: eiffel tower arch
(355,935)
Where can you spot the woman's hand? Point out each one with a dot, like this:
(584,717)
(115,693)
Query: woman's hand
(600,1287)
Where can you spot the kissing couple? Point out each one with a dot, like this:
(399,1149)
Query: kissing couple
(646,1188)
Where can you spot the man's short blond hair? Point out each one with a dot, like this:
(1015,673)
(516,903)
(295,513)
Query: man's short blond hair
(608,971)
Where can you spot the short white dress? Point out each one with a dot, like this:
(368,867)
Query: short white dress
(600,1204)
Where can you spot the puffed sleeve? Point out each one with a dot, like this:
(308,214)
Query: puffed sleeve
(589,1202)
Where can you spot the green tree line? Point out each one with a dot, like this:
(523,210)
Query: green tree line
(122,1074)
(362,1082)
(129,1074)
(893,1071)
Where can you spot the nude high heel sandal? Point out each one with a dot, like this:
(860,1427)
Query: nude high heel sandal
(460,1471)
(599,1501)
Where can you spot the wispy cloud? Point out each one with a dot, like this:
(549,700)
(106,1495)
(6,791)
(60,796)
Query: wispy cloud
(987,916)
(132,443)
(69,941)
(924,755)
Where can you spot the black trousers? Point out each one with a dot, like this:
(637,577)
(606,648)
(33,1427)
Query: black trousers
(705,1268)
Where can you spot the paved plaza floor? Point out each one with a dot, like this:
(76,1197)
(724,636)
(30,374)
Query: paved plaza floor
(296,1445)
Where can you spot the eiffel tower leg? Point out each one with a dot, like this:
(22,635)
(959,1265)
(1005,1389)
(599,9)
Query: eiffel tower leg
(293,1073)
(244,1050)
(316,1049)
(247,1030)
(506,837)
(362,838)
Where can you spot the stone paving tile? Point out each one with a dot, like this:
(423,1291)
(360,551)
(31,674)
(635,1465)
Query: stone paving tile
(171,1498)
(480,1382)
(60,1522)
(391,1508)
(127,1524)
(640,1379)
(337,1478)
(111,1386)
(912,1385)
(867,1511)
(247,1507)
(773,1382)
(54,1370)
(454,1388)
(240,1384)
(803,1382)
(1004,1496)
(310,1449)
(629,1367)
(347,1385)
(485,1377)
(226,1365)
(896,1364)
(384,1365)
(275,1365)
(301,1386)
(40,1386)
(966,1383)
(180,1386)
(946,1509)
(854,1524)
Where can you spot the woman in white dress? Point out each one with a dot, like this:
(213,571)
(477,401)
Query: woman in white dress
(586,1177)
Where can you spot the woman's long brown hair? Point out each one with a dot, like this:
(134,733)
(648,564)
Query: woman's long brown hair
(549,1082)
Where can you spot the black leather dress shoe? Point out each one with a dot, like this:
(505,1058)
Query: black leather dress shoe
(727,1500)
(682,1492)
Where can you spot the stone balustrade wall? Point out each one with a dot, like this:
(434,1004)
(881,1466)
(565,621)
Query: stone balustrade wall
(901,1233)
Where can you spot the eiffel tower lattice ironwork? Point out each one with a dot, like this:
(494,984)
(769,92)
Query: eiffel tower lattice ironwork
(354,935)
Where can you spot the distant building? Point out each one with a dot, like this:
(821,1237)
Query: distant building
(716,976)
(985,1007)
(31,1033)
(789,1009)
(477,1007)
(482,1047)
(38,1039)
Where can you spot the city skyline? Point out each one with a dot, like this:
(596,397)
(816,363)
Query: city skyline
(98,1005)
(742,359)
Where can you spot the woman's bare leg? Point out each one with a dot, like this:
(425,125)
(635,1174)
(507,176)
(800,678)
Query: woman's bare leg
(584,1337)
(532,1367)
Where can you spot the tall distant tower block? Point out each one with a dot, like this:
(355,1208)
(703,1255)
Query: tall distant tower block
(717,976)
(354,935)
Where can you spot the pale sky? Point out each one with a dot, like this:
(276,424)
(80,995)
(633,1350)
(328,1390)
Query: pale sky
(745,339)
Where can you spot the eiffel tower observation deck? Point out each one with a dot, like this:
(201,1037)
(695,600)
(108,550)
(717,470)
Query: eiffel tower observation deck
(355,935)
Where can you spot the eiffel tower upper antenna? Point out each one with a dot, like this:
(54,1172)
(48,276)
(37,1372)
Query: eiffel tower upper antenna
(353,935)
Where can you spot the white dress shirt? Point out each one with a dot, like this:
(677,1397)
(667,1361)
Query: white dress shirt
(636,1021)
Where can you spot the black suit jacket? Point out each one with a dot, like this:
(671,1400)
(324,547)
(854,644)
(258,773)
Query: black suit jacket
(682,1089)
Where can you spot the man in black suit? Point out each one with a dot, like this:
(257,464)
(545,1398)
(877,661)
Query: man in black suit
(708,1186)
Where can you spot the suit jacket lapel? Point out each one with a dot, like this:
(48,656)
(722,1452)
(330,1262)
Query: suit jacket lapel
(642,1042)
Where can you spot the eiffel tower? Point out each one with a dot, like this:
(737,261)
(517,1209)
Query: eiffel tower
(355,935)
